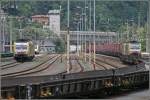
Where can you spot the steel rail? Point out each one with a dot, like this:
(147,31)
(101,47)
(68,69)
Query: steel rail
(9,65)
(82,68)
(107,63)
(100,65)
(14,74)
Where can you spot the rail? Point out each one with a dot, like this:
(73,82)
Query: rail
(8,81)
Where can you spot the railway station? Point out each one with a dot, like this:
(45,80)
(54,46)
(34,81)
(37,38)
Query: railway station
(86,49)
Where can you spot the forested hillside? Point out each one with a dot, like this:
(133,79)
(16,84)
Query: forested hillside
(118,16)
(110,15)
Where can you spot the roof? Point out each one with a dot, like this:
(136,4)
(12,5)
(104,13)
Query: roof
(91,33)
(38,16)
(54,11)
(23,40)
(47,43)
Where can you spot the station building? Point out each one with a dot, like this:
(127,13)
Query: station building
(46,46)
(88,36)
(42,19)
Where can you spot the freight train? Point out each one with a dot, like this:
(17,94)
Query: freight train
(23,50)
(128,52)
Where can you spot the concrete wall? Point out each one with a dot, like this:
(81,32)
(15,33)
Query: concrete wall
(54,21)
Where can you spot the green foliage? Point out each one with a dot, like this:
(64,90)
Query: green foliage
(3,55)
(142,33)
(25,9)
(36,32)
(118,12)
(110,16)
(60,45)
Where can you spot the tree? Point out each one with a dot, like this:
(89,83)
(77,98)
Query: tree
(60,45)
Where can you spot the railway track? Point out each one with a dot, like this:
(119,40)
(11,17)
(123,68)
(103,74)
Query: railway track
(10,65)
(114,61)
(99,65)
(40,67)
(103,64)
(13,64)
(6,59)
(77,64)
(7,64)
(112,65)
(82,68)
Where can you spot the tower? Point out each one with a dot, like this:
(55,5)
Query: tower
(54,21)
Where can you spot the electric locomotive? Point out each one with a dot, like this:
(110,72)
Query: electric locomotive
(131,52)
(128,52)
(23,50)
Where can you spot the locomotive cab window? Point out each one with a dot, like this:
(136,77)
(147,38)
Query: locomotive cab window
(21,47)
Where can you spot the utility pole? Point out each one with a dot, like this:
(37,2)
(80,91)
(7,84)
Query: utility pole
(82,19)
(139,19)
(0,44)
(94,36)
(4,32)
(107,31)
(2,28)
(68,39)
(79,39)
(85,31)
(82,45)
(78,24)
(132,31)
(90,31)
(127,32)
(10,35)
(82,32)
(20,31)
(80,36)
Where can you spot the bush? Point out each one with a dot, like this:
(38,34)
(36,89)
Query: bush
(3,55)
